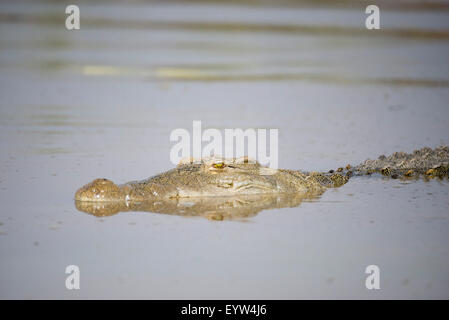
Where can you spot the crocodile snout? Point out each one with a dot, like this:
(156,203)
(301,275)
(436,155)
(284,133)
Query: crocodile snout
(99,190)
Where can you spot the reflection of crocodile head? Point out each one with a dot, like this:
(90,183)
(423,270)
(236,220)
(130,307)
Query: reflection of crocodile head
(212,208)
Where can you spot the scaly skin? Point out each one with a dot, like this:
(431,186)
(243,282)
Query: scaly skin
(426,161)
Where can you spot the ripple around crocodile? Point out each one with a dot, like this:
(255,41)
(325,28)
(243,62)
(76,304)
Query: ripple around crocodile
(219,188)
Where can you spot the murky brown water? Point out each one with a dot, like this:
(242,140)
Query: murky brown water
(102,101)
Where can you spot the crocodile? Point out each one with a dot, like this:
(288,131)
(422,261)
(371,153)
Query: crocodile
(220,188)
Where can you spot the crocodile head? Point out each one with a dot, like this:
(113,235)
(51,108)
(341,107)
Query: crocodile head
(209,177)
(200,188)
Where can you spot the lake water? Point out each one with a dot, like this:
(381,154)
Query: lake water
(102,101)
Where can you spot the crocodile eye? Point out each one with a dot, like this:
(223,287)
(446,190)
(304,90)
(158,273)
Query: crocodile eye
(219,165)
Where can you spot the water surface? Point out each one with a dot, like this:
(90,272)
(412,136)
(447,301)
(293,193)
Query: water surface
(102,101)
